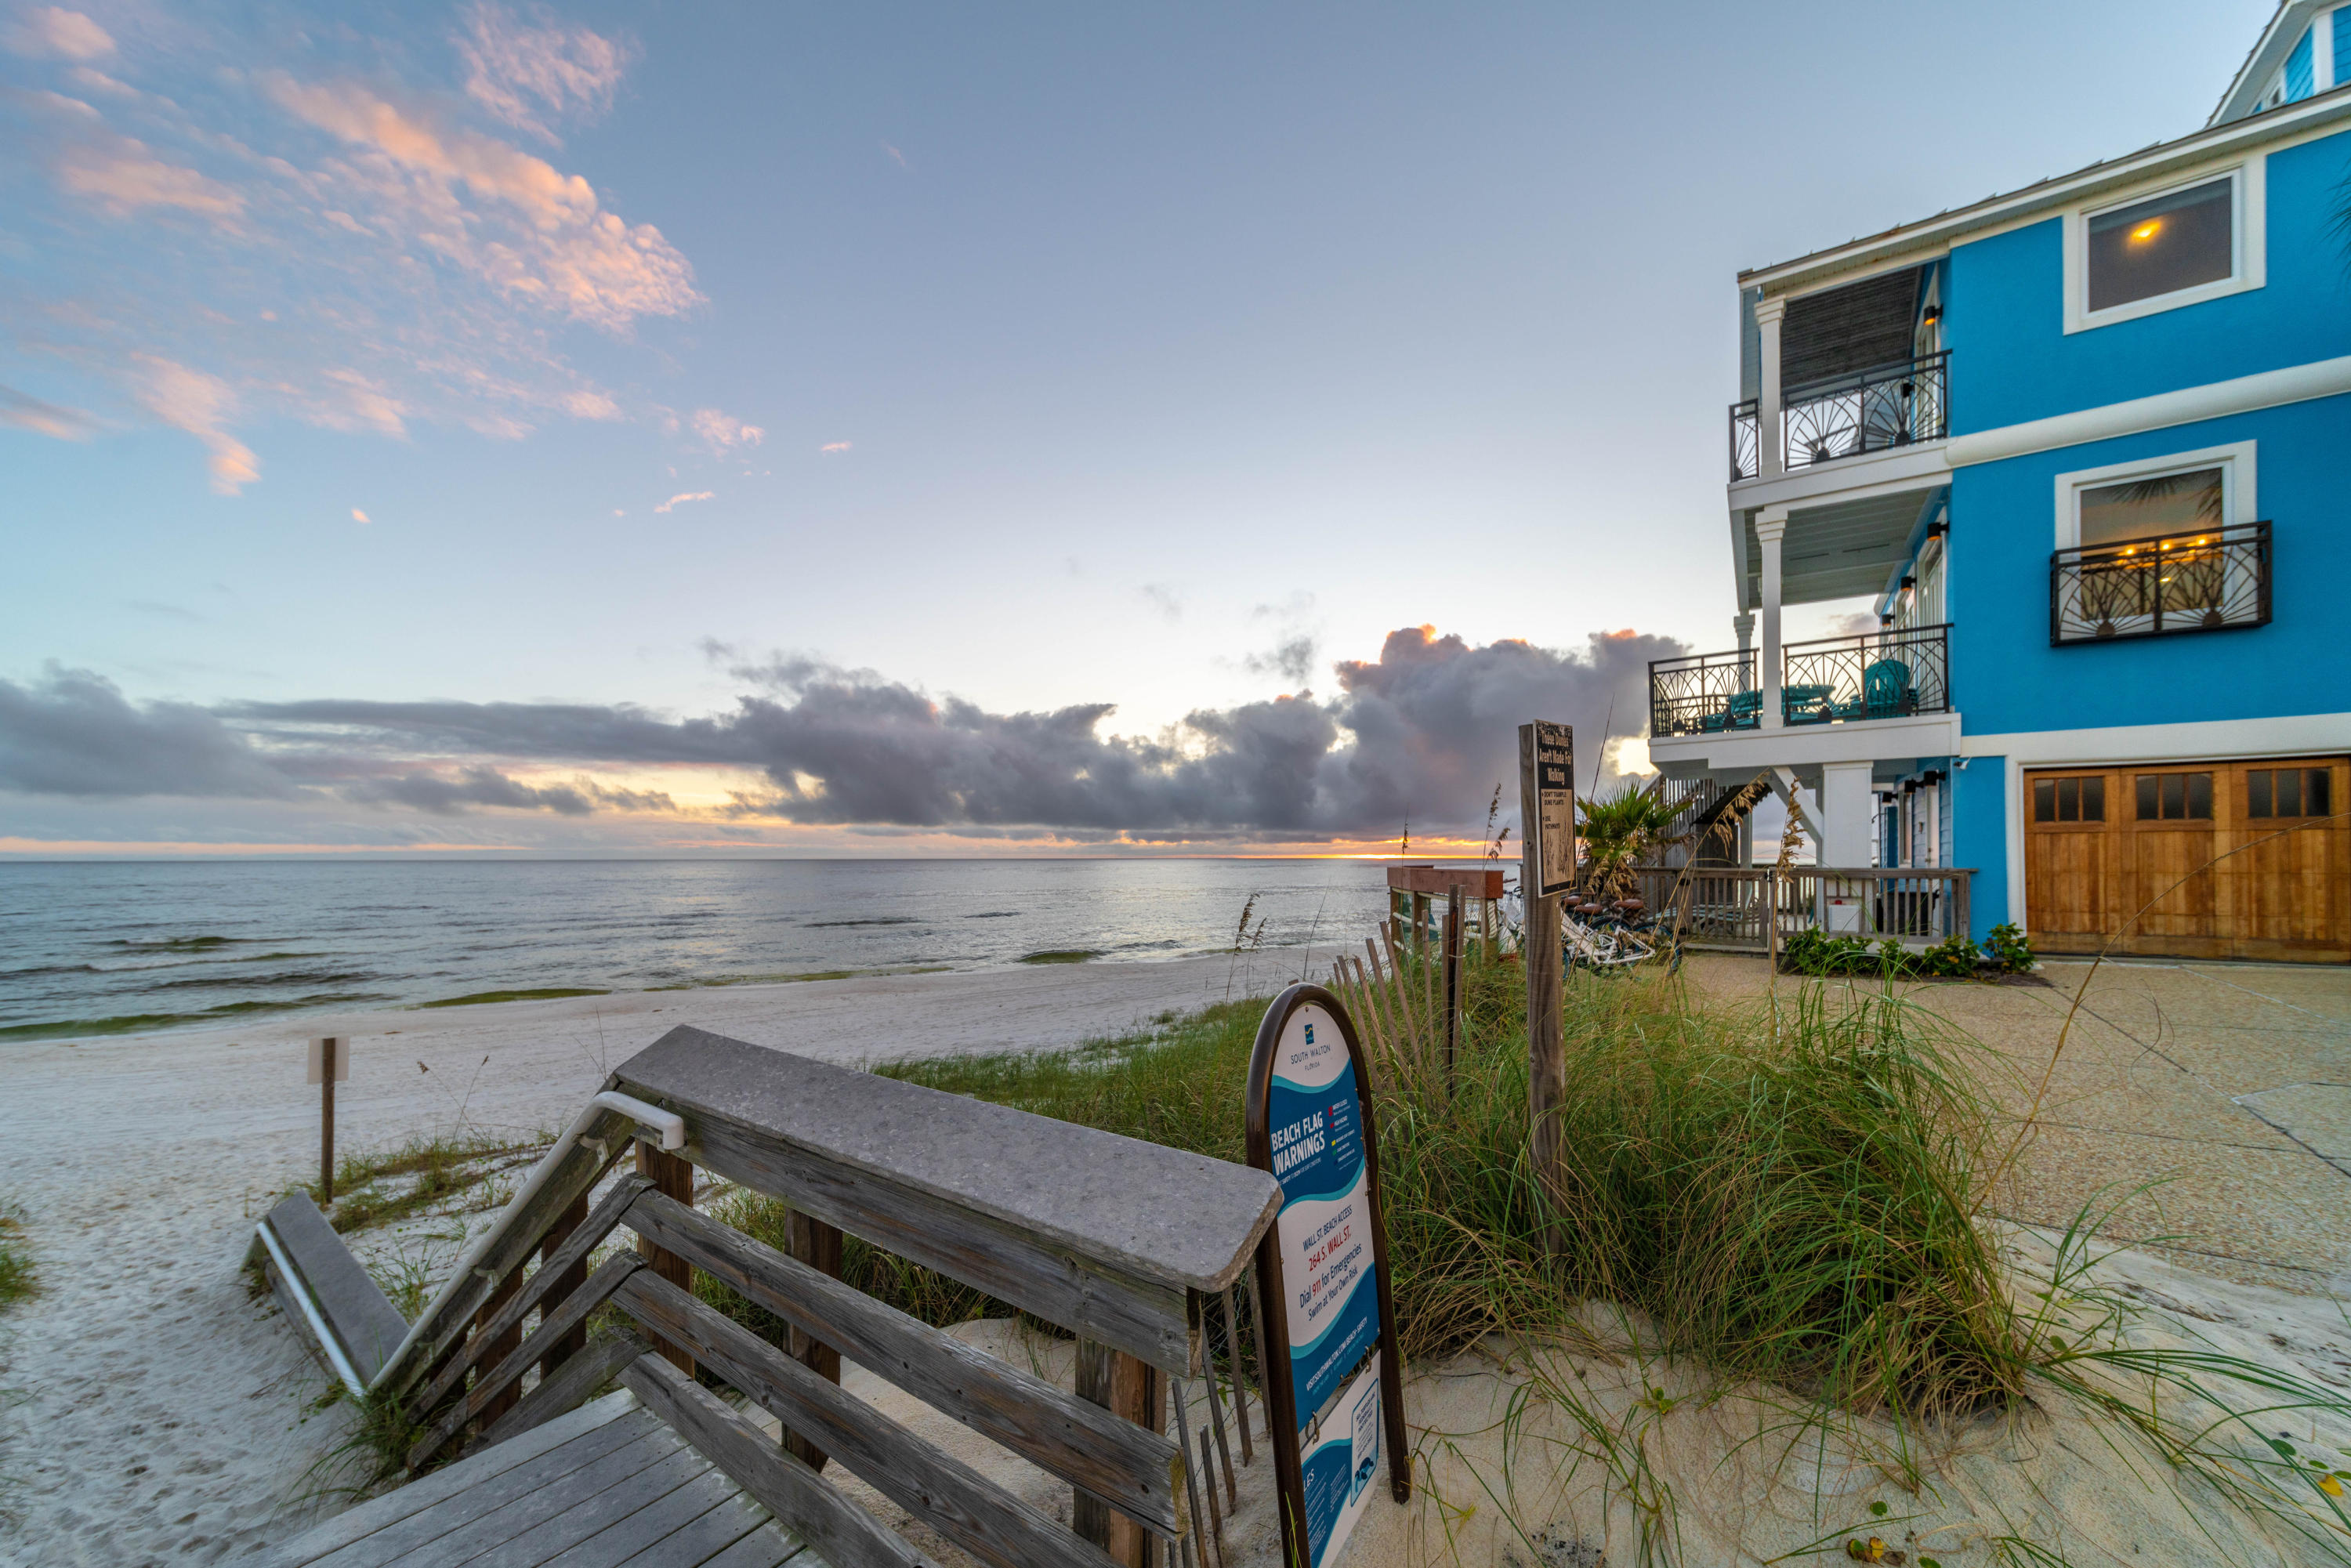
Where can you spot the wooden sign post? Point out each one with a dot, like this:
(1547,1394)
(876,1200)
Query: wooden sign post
(331,1062)
(1547,841)
(1327,1345)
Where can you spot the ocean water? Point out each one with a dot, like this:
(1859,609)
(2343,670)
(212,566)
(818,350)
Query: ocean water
(100,947)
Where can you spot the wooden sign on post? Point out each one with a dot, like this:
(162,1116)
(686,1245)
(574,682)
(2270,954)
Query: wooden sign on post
(1333,1379)
(331,1063)
(1547,837)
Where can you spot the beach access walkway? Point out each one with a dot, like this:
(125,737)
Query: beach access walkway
(608,1485)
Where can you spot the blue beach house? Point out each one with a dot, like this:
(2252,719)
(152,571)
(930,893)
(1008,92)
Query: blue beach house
(2085,446)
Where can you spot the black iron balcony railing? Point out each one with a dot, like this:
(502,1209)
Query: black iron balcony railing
(1843,417)
(1704,692)
(1836,680)
(2210,580)
(1879,674)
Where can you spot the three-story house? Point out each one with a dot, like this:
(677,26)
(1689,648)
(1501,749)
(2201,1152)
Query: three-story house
(2087,446)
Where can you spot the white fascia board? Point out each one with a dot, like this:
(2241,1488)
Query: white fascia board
(1811,744)
(2213,741)
(2269,52)
(2214,399)
(1885,472)
(2316,115)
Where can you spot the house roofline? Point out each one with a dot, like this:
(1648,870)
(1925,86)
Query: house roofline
(1944,228)
(2269,51)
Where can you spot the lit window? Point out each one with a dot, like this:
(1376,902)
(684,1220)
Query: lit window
(2160,503)
(2161,245)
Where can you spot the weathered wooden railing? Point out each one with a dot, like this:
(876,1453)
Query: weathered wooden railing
(1756,908)
(1132,1247)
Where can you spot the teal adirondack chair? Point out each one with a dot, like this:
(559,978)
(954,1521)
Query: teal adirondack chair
(1885,692)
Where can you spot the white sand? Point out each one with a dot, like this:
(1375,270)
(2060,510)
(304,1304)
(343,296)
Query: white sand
(151,1412)
(160,1415)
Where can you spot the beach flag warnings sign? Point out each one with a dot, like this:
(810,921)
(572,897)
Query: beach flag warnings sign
(1336,1396)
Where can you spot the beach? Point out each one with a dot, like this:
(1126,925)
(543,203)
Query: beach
(159,1413)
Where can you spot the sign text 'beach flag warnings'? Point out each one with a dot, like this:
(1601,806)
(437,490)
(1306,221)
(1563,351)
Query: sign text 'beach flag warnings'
(1336,1396)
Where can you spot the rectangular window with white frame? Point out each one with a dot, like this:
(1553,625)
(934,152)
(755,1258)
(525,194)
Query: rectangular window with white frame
(2173,544)
(2198,239)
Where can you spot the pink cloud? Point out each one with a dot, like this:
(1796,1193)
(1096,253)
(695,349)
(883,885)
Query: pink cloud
(559,248)
(686,495)
(52,420)
(834,447)
(509,63)
(200,405)
(68,35)
(122,176)
(723,430)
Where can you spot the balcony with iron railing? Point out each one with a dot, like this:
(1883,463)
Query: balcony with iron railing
(1880,675)
(2209,580)
(1897,404)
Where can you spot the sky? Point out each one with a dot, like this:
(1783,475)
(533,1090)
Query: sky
(918,430)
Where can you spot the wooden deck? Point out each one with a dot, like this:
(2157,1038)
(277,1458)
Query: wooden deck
(609,1484)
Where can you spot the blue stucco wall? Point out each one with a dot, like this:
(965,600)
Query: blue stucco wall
(2011,359)
(2006,677)
(1980,839)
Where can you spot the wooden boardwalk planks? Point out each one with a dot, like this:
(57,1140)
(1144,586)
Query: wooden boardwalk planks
(607,1486)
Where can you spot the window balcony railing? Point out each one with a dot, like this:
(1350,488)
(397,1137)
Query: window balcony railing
(1837,680)
(1879,674)
(2210,580)
(1702,693)
(1899,404)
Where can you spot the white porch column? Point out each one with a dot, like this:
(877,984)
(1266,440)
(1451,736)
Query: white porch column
(1743,623)
(1770,527)
(1769,313)
(1848,814)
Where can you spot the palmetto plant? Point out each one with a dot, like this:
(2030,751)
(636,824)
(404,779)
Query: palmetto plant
(1623,829)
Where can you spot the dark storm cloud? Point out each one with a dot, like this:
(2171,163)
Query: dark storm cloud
(1426,730)
(74,733)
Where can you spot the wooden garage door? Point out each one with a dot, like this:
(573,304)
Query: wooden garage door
(2155,842)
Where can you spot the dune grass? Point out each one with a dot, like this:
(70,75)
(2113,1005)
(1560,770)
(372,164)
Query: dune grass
(426,1175)
(19,1280)
(1791,1195)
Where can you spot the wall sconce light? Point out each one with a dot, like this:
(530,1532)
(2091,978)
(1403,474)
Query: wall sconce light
(1938,529)
(1934,313)
(1909,582)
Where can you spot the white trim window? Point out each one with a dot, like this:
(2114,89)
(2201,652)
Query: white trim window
(2117,513)
(2190,241)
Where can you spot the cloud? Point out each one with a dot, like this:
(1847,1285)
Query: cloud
(168,611)
(566,254)
(685,495)
(1427,728)
(74,733)
(723,430)
(512,64)
(1293,659)
(360,517)
(121,175)
(1163,598)
(834,447)
(897,157)
(51,30)
(198,404)
(53,419)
